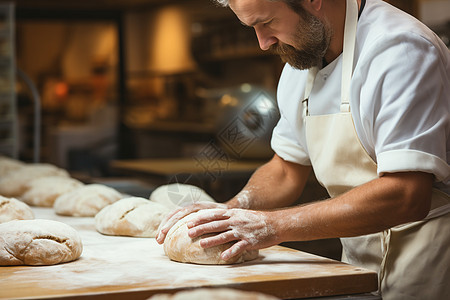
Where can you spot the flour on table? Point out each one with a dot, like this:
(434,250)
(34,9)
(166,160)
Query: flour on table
(176,195)
(38,242)
(86,201)
(132,216)
(178,246)
(13,209)
(44,191)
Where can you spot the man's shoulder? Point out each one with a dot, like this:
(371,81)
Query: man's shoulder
(382,20)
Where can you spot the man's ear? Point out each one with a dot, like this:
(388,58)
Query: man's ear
(316,4)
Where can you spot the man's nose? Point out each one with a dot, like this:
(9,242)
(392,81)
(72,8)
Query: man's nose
(265,39)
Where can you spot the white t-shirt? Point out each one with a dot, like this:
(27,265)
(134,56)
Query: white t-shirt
(399,98)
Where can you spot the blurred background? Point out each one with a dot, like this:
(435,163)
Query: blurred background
(136,93)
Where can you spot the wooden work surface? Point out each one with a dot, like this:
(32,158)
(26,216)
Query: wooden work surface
(170,167)
(135,268)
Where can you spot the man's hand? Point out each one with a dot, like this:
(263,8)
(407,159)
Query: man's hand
(176,215)
(249,229)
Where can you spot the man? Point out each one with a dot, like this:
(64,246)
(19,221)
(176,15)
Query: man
(371,117)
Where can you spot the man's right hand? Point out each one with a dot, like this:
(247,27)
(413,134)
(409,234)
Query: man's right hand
(179,213)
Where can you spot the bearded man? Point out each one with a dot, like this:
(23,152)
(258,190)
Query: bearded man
(364,102)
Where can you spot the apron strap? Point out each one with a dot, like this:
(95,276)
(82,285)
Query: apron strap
(351,21)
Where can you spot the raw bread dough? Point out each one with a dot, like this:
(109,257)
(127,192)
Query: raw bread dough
(38,242)
(14,184)
(86,201)
(178,246)
(132,216)
(13,209)
(44,191)
(216,294)
(177,194)
(8,165)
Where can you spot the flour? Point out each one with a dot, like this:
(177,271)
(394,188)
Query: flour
(243,198)
(113,263)
(256,228)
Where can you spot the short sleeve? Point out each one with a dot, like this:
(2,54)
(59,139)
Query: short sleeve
(286,145)
(405,115)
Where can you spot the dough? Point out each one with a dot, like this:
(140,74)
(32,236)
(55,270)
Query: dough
(8,165)
(44,191)
(132,216)
(86,201)
(176,194)
(14,184)
(38,242)
(178,246)
(216,294)
(13,209)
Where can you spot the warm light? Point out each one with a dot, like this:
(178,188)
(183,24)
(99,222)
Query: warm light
(171,42)
(61,90)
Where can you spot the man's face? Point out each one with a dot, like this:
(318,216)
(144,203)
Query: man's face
(300,38)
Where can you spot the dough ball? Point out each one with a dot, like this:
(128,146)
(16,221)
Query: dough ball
(132,216)
(86,201)
(44,191)
(7,165)
(177,194)
(178,246)
(14,184)
(216,294)
(13,209)
(38,242)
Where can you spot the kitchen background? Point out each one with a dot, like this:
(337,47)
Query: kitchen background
(137,79)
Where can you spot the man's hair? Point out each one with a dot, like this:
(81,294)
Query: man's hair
(295,5)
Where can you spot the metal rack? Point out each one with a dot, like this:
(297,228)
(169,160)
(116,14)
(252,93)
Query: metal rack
(8,107)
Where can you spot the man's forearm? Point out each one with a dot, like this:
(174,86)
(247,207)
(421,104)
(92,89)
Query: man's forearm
(375,206)
(274,185)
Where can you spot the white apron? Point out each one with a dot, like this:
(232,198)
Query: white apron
(412,260)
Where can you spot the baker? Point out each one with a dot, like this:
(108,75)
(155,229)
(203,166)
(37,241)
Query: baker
(364,102)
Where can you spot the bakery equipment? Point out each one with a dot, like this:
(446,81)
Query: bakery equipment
(246,118)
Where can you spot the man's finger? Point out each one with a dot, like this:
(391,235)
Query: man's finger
(234,250)
(208,217)
(210,227)
(219,239)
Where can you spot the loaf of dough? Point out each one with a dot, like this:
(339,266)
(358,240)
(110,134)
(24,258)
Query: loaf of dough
(38,242)
(178,246)
(8,165)
(177,194)
(44,191)
(13,209)
(216,294)
(132,216)
(86,201)
(14,184)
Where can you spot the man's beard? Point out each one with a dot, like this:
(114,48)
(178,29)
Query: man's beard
(312,40)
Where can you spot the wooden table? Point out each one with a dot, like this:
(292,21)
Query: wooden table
(221,178)
(114,267)
(192,166)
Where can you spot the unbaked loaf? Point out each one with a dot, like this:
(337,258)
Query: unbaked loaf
(38,242)
(86,201)
(178,246)
(8,165)
(13,209)
(134,216)
(214,294)
(177,194)
(44,191)
(14,184)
